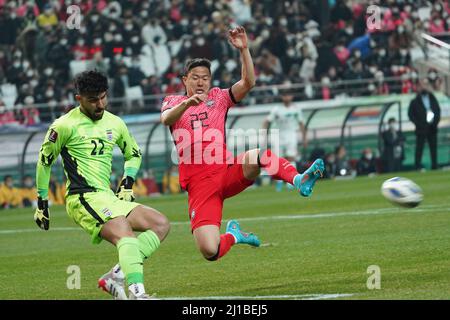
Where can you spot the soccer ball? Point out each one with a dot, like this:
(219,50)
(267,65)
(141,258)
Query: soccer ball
(402,191)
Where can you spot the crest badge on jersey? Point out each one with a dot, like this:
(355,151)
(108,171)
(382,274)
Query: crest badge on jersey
(109,135)
(52,136)
(210,103)
(107,212)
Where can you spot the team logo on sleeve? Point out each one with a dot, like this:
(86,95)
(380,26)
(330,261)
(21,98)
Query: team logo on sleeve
(109,135)
(52,136)
(107,212)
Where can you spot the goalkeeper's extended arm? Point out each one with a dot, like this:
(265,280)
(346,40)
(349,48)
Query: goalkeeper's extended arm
(53,143)
(42,214)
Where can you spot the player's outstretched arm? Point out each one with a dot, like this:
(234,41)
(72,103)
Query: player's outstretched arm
(170,116)
(238,39)
(53,142)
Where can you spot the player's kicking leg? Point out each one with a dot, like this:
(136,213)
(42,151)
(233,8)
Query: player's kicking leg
(282,169)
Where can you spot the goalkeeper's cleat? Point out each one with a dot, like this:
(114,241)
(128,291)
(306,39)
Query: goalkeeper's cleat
(305,182)
(240,236)
(114,286)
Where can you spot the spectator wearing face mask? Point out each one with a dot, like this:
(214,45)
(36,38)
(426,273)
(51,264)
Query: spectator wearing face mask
(434,79)
(366,165)
(6,116)
(135,44)
(60,56)
(379,57)
(80,50)
(96,46)
(330,165)
(342,166)
(15,72)
(9,195)
(402,58)
(135,74)
(28,192)
(30,114)
(393,147)
(400,38)
(409,81)
(437,25)
(99,63)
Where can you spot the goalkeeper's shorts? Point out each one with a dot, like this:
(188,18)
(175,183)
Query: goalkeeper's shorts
(91,210)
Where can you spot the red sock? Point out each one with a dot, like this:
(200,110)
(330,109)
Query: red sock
(226,242)
(278,168)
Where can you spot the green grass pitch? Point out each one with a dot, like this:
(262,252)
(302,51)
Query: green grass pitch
(317,247)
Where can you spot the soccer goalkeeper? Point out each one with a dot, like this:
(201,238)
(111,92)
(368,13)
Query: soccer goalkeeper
(85,138)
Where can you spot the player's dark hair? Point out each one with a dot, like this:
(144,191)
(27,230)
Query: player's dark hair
(90,81)
(197,62)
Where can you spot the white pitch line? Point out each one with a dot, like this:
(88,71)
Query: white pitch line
(317,296)
(429,208)
(37,230)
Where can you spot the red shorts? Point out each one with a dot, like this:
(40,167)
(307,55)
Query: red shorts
(206,194)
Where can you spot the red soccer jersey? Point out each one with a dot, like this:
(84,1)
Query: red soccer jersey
(199,134)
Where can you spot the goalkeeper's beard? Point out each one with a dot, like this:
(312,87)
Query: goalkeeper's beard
(98,113)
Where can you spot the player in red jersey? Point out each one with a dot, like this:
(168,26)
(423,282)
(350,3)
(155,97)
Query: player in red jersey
(209,172)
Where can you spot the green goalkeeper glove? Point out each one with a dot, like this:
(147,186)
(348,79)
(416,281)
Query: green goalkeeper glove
(41,216)
(125,190)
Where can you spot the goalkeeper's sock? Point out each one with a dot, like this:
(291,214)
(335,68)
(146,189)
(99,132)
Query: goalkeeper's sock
(278,168)
(148,243)
(137,289)
(130,260)
(227,240)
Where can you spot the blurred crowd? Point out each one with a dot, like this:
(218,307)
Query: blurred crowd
(24,194)
(142,46)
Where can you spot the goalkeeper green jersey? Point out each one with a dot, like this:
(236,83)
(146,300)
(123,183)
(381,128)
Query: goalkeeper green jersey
(86,148)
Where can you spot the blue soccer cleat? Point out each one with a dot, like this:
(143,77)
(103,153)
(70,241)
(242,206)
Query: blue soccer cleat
(279,185)
(305,182)
(240,236)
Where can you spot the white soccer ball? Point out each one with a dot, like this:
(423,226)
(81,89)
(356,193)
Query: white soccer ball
(402,191)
